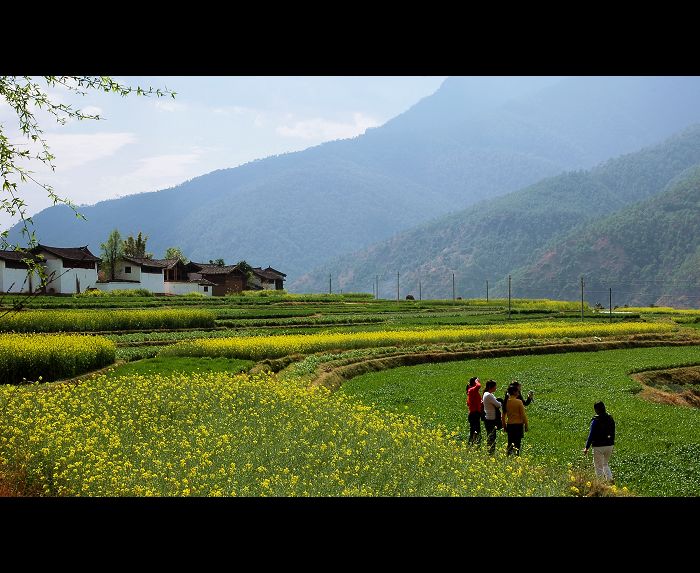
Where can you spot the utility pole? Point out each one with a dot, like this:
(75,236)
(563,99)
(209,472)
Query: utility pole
(610,304)
(397,286)
(376,279)
(581,298)
(508,297)
(453,287)
(420,291)
(487,291)
(330,285)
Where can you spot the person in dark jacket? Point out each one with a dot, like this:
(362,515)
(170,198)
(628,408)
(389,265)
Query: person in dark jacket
(518,395)
(602,437)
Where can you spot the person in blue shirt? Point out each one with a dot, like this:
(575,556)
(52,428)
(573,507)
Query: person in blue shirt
(602,437)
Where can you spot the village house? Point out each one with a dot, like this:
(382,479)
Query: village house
(75,269)
(159,276)
(14,273)
(227,279)
(69,269)
(268,279)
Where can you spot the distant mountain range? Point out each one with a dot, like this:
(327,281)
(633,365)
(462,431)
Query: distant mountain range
(476,138)
(631,224)
(648,253)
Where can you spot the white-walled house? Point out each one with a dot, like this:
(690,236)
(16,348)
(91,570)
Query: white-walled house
(14,273)
(75,269)
(179,281)
(159,276)
(136,273)
(68,269)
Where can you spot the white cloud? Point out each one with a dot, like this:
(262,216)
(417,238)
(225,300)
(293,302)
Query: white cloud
(169,105)
(260,118)
(92,110)
(165,166)
(74,150)
(152,174)
(324,130)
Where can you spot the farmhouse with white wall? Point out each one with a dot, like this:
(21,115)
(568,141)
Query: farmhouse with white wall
(135,273)
(75,269)
(68,269)
(159,276)
(14,275)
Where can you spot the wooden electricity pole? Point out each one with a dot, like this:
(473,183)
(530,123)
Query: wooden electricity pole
(508,297)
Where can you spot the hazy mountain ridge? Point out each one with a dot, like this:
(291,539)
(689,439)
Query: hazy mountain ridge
(643,252)
(472,140)
(499,236)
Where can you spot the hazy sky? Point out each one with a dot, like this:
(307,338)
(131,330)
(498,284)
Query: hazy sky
(147,144)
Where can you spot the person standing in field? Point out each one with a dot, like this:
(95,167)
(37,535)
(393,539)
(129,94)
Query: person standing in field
(474,407)
(492,415)
(514,420)
(602,437)
(519,395)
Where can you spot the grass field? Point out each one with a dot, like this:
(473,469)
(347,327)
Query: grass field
(657,451)
(179,419)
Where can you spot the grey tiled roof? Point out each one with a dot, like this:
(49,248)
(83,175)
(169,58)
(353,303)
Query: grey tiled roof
(68,253)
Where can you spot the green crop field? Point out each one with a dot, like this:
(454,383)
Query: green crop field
(657,450)
(187,410)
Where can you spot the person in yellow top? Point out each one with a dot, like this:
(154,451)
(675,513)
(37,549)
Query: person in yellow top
(514,420)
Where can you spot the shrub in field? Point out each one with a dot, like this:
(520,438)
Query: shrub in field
(263,293)
(257,348)
(104,320)
(96,293)
(218,434)
(51,356)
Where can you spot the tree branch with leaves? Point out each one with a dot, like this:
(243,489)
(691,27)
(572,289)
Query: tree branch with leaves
(25,96)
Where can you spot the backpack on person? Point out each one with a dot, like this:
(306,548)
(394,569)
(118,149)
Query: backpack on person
(499,414)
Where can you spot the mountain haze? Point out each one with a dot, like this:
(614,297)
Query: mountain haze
(474,139)
(499,236)
(648,253)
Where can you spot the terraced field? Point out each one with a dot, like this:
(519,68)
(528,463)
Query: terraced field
(273,395)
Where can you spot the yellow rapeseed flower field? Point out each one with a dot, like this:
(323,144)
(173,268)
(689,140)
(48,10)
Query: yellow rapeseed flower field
(78,320)
(51,356)
(260,347)
(216,434)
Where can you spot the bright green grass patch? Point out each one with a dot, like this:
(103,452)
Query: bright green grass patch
(659,310)
(217,434)
(657,450)
(174,365)
(130,353)
(51,356)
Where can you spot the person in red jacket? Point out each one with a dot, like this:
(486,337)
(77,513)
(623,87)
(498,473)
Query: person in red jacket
(474,406)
